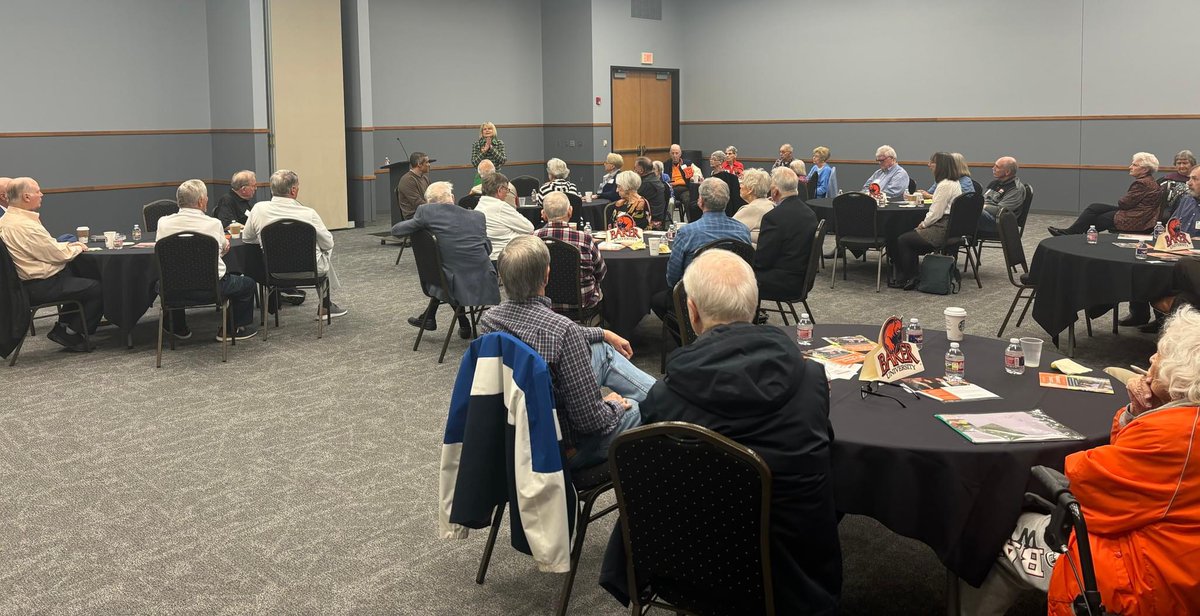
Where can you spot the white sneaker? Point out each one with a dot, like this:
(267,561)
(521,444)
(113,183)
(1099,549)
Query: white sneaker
(241,333)
(335,311)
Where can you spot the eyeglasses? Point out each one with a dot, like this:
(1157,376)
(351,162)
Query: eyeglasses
(882,159)
(869,389)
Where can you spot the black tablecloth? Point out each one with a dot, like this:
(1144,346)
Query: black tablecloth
(127,277)
(633,276)
(923,480)
(593,212)
(893,219)
(1072,275)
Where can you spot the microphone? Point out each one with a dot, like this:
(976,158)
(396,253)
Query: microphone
(406,154)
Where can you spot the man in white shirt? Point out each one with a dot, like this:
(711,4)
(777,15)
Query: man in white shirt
(192,196)
(285,186)
(504,222)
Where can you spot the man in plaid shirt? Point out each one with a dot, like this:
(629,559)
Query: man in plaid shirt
(581,359)
(556,209)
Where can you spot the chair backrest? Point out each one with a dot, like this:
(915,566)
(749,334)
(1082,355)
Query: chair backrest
(187,267)
(1010,243)
(912,186)
(814,259)
(289,247)
(532,213)
(978,188)
(576,202)
(811,184)
(429,261)
(1026,205)
(154,210)
(470,201)
(695,518)
(564,286)
(737,247)
(854,215)
(14,304)
(687,334)
(964,218)
(525,185)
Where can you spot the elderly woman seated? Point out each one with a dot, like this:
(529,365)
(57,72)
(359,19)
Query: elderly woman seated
(1140,497)
(557,171)
(630,202)
(1135,212)
(756,186)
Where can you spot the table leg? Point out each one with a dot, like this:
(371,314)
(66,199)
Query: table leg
(129,339)
(953,601)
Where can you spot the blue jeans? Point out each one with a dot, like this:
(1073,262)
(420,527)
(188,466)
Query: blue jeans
(240,292)
(615,372)
(987,221)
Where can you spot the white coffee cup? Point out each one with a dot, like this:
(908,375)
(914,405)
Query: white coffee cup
(956,323)
(110,239)
(83,234)
(1032,348)
(588,196)
(653,244)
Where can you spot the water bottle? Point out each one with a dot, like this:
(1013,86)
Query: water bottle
(587,228)
(1159,229)
(804,330)
(1092,235)
(1142,249)
(671,230)
(386,161)
(1014,357)
(956,364)
(137,233)
(913,334)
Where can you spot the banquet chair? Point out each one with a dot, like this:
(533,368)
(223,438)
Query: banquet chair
(810,278)
(856,227)
(990,239)
(469,201)
(811,185)
(912,186)
(695,520)
(737,247)
(962,229)
(17,314)
(525,185)
(532,213)
(676,325)
(189,278)
(1014,257)
(564,288)
(433,276)
(290,255)
(403,241)
(155,210)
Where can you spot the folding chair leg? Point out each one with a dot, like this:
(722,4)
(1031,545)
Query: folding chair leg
(225,333)
(878,272)
(1008,315)
(1071,341)
(1115,310)
(16,351)
(262,310)
(491,543)
(577,549)
(161,317)
(1028,302)
(782,314)
(974,267)
(833,270)
(458,310)
(320,304)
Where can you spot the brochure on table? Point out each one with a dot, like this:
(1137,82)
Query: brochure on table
(1011,427)
(1075,383)
(939,388)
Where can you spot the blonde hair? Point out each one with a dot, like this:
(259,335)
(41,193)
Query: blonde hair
(615,160)
(822,153)
(495,131)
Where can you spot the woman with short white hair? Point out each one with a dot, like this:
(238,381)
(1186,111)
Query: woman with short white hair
(797,165)
(557,171)
(732,164)
(755,188)
(1136,212)
(608,183)
(630,202)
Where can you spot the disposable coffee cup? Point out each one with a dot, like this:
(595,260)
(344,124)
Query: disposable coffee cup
(574,226)
(653,243)
(83,234)
(956,323)
(1032,348)
(110,239)
(588,196)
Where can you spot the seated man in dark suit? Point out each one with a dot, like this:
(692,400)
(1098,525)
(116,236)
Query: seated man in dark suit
(653,191)
(751,384)
(462,241)
(784,240)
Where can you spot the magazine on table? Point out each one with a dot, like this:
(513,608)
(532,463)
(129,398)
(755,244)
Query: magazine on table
(857,343)
(941,389)
(1099,385)
(834,354)
(1010,427)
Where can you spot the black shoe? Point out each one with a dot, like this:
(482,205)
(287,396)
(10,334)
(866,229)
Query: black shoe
(1152,327)
(896,284)
(294,297)
(910,285)
(1134,321)
(464,332)
(428,324)
(72,342)
(1055,231)
(183,332)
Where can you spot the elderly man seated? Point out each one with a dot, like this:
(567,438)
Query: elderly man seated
(464,247)
(1140,496)
(557,172)
(556,209)
(504,222)
(891,177)
(751,384)
(581,359)
(4,182)
(485,168)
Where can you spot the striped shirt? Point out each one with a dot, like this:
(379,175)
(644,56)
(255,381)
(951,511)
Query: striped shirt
(559,185)
(591,262)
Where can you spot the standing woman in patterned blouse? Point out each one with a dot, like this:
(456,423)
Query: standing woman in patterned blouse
(488,146)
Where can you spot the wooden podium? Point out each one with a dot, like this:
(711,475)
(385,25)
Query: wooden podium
(396,171)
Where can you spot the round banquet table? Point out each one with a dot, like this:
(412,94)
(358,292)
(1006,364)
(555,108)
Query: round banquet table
(593,212)
(921,479)
(1072,275)
(893,219)
(127,277)
(633,277)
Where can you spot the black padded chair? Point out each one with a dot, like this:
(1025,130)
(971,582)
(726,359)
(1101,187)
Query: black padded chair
(290,256)
(403,241)
(978,187)
(912,186)
(565,285)
(188,278)
(19,315)
(155,210)
(991,239)
(1014,258)
(737,247)
(676,327)
(811,185)
(962,228)
(810,278)
(695,520)
(470,201)
(431,275)
(525,185)
(856,228)
(532,213)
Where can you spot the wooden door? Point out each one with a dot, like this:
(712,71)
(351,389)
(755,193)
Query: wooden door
(643,114)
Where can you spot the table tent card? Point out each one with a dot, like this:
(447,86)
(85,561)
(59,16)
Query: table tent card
(1175,237)
(624,230)
(893,358)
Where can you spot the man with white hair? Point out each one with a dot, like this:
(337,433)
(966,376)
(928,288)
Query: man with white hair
(4,182)
(504,222)
(234,206)
(892,178)
(1005,192)
(192,197)
(751,384)
(785,242)
(556,173)
(556,209)
(41,264)
(485,168)
(285,187)
(1135,212)
(464,247)
(581,359)
(785,156)
(683,176)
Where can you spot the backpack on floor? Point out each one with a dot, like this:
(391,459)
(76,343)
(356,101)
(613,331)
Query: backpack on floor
(939,275)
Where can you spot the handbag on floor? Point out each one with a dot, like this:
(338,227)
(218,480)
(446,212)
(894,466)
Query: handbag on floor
(939,275)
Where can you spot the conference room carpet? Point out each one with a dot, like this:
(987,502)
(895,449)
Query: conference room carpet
(301,476)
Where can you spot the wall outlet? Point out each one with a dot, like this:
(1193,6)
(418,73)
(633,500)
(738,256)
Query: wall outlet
(571,143)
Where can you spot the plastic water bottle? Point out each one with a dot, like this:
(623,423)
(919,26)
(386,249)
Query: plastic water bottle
(804,330)
(1159,229)
(956,364)
(1014,357)
(671,230)
(914,334)
(1092,235)
(386,161)
(1142,249)
(587,228)
(137,233)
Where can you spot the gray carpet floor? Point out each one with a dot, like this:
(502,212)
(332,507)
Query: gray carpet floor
(301,476)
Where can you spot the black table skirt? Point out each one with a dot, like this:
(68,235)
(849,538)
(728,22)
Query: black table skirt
(893,220)
(593,212)
(633,277)
(1072,275)
(923,480)
(127,277)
